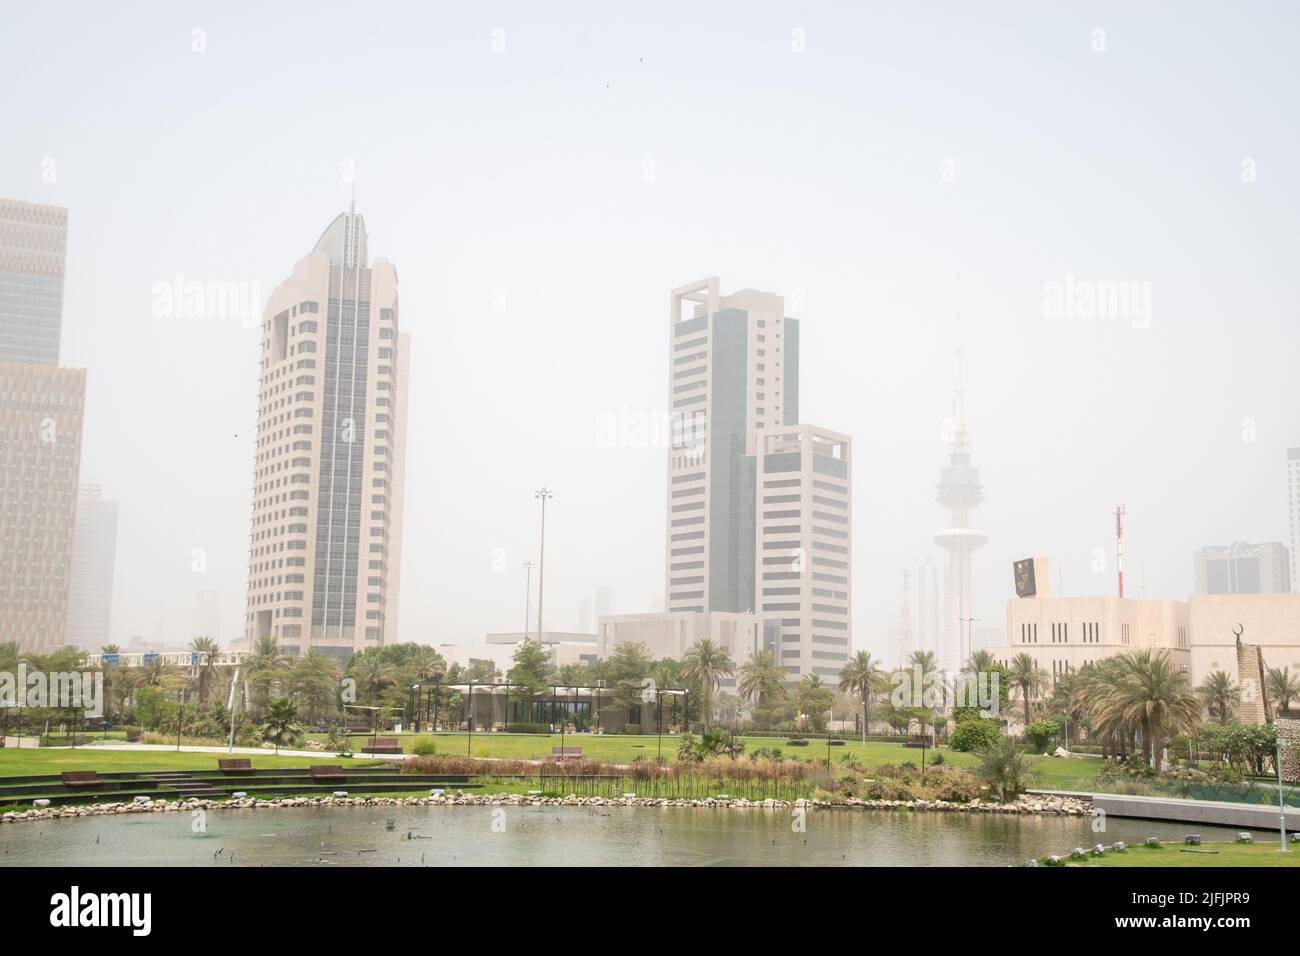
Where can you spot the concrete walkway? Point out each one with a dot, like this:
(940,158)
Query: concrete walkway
(1251,816)
(241,751)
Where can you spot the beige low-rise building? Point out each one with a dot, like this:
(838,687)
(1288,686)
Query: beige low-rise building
(1064,633)
(1269,621)
(672,633)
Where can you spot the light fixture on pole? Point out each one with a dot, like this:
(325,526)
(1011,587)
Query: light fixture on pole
(528,593)
(542,495)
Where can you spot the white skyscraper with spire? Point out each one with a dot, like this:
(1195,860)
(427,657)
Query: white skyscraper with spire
(959,490)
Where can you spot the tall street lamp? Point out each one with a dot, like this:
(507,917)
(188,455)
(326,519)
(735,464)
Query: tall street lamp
(528,593)
(542,495)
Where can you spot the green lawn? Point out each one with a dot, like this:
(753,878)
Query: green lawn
(22,762)
(1262,853)
(1050,773)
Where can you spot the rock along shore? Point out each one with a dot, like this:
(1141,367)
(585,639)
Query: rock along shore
(1025,804)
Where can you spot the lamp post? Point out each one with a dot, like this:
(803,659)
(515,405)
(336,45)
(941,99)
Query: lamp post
(180,722)
(968,621)
(528,593)
(543,495)
(1281,804)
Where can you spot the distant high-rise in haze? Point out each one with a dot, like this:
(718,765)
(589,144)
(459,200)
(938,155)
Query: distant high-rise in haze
(1293,509)
(205,619)
(94,552)
(41,411)
(33,244)
(1243,568)
(325,544)
(734,370)
(959,491)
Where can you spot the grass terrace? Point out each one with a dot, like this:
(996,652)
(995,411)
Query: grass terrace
(1260,853)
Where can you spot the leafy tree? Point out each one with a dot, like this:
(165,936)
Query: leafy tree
(313,680)
(626,670)
(1040,733)
(532,664)
(974,734)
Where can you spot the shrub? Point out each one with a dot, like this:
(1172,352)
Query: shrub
(955,786)
(971,735)
(884,788)
(528,729)
(424,747)
(1003,767)
(1040,733)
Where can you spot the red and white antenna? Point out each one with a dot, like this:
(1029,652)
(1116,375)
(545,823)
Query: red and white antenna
(1119,545)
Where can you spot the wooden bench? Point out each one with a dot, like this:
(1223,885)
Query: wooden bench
(236,765)
(382,745)
(563,752)
(81,778)
(328,773)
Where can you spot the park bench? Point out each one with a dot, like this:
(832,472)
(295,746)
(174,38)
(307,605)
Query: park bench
(327,773)
(81,778)
(562,752)
(919,742)
(382,745)
(236,765)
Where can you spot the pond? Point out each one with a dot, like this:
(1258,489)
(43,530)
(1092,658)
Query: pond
(561,836)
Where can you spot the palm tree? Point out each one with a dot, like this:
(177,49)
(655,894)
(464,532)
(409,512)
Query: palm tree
(978,662)
(862,676)
(1151,695)
(812,696)
(266,655)
(1282,687)
(108,678)
(1028,678)
(925,660)
(1218,691)
(281,723)
(427,663)
(207,649)
(761,679)
(706,663)
(372,674)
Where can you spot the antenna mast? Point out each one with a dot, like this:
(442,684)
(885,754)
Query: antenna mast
(1119,546)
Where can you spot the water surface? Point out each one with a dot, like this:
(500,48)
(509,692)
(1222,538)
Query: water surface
(560,836)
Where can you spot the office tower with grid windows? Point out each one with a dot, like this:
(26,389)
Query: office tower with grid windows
(41,411)
(803,561)
(325,541)
(733,371)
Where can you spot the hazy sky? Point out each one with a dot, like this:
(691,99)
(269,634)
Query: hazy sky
(914,173)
